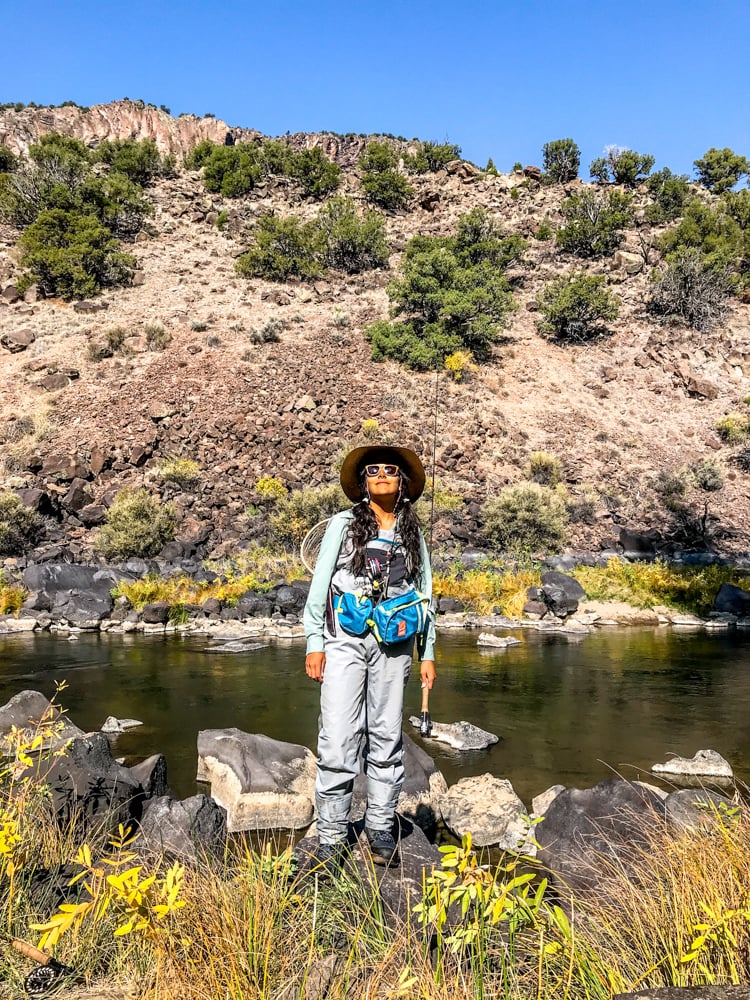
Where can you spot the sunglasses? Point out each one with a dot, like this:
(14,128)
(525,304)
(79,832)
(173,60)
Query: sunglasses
(389,470)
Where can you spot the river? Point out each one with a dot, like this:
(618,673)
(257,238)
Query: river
(572,710)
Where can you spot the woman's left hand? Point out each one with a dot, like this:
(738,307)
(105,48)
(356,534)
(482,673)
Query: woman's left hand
(427,673)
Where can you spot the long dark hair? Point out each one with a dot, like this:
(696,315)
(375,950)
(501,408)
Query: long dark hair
(364,528)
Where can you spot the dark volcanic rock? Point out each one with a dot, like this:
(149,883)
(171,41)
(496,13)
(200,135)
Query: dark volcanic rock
(611,819)
(189,829)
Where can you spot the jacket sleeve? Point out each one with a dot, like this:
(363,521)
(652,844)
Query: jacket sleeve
(426,645)
(313,618)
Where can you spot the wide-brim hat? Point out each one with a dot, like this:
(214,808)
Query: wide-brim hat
(404,458)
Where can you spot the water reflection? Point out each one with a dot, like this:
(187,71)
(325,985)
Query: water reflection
(567,711)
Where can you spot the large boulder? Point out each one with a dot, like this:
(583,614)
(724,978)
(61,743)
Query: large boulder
(613,820)
(698,809)
(263,784)
(488,809)
(151,774)
(732,600)
(29,711)
(78,594)
(88,789)
(561,593)
(639,544)
(191,829)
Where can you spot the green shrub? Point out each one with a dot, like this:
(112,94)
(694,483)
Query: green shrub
(347,242)
(117,202)
(691,290)
(115,338)
(623,166)
(7,160)
(562,158)
(137,524)
(734,428)
(452,295)
(670,192)
(573,306)
(317,174)
(157,337)
(274,157)
(720,233)
(269,333)
(284,246)
(544,231)
(491,169)
(183,472)
(297,512)
(72,256)
(141,162)
(20,526)
(526,518)
(595,222)
(720,169)
(708,475)
(200,154)
(544,468)
(382,182)
(430,157)
(232,171)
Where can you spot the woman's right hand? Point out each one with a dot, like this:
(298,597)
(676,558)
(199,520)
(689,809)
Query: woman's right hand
(315,665)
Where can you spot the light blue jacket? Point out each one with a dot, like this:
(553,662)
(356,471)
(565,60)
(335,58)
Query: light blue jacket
(315,608)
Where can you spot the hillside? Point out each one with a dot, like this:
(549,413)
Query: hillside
(621,413)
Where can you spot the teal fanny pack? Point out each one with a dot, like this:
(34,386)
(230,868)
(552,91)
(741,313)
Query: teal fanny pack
(393,620)
(400,618)
(353,612)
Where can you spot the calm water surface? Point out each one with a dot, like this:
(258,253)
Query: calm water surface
(569,710)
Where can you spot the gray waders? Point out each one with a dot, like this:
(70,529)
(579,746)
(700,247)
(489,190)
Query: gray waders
(361,702)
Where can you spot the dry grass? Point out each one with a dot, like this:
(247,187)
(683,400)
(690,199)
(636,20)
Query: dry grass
(643,585)
(482,590)
(257,570)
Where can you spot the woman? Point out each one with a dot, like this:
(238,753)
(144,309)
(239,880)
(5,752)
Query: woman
(375,550)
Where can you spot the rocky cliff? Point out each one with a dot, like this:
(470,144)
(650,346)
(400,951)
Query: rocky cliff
(622,414)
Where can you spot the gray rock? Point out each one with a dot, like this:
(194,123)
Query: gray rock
(190,829)
(459,735)
(489,809)
(113,725)
(497,641)
(541,803)
(156,613)
(84,610)
(704,764)
(732,600)
(263,784)
(17,340)
(612,819)
(27,709)
(561,593)
(151,774)
(88,789)
(697,808)
(235,646)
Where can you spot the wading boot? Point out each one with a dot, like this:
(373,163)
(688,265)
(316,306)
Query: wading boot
(329,860)
(383,847)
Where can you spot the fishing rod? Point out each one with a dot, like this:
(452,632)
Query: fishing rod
(425,724)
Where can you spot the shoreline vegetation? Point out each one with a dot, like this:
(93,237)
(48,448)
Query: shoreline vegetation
(487,589)
(248,924)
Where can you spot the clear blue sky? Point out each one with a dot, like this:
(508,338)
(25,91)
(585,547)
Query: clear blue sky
(499,78)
